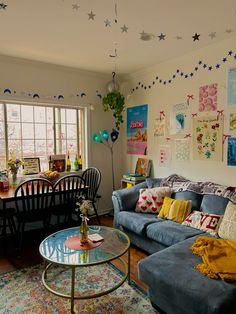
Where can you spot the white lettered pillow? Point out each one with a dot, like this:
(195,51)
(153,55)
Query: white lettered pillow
(227,228)
(151,200)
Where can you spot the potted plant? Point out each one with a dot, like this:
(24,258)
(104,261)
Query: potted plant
(115,101)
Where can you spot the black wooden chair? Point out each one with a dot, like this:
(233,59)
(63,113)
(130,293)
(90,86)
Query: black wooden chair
(66,192)
(7,221)
(33,203)
(92,179)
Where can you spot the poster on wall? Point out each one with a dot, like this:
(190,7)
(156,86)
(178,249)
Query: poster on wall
(179,123)
(159,126)
(182,149)
(231,156)
(231,88)
(207,138)
(164,155)
(208,97)
(137,130)
(232,122)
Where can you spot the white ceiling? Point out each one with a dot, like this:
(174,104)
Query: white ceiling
(52,31)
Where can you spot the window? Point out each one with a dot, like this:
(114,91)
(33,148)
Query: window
(39,131)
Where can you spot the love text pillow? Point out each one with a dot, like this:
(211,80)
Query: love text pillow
(203,221)
(151,200)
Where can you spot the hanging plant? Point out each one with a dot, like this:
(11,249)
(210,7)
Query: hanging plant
(115,101)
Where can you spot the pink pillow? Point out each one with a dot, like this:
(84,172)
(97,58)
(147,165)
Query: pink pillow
(151,200)
(203,221)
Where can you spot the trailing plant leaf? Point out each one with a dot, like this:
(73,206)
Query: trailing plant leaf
(115,101)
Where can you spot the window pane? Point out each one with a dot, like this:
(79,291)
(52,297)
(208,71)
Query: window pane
(15,146)
(39,114)
(50,148)
(50,131)
(27,131)
(60,115)
(72,146)
(61,134)
(71,116)
(1,112)
(14,131)
(49,115)
(40,148)
(2,129)
(28,148)
(13,112)
(40,131)
(2,149)
(71,131)
(61,147)
(27,114)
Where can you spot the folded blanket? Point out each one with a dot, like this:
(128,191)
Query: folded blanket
(218,257)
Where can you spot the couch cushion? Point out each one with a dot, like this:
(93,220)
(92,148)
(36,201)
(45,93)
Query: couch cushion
(136,222)
(227,228)
(170,232)
(153,182)
(213,204)
(177,287)
(188,195)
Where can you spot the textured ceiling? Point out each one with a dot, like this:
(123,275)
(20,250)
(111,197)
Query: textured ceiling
(62,32)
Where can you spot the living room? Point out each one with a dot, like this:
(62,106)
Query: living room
(58,55)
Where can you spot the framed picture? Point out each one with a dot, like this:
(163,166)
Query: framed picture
(143,167)
(31,165)
(58,162)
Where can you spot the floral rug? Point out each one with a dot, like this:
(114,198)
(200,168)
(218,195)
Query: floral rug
(23,292)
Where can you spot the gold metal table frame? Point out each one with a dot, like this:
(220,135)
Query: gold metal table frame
(125,250)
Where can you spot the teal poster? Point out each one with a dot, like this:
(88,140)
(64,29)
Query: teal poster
(137,130)
(232,86)
(231,160)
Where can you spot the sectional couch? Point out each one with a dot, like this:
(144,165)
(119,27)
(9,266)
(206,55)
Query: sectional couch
(175,286)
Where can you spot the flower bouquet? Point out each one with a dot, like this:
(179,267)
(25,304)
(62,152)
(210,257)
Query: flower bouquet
(13,166)
(83,206)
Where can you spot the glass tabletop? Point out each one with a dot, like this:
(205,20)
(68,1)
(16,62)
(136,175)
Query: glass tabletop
(115,244)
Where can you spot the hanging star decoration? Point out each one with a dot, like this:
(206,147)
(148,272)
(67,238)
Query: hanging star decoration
(196,37)
(107,23)
(161,36)
(75,6)
(212,35)
(185,75)
(3,6)
(91,15)
(124,29)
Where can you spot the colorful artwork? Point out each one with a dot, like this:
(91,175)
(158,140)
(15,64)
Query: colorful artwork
(231,158)
(208,97)
(232,86)
(159,126)
(232,121)
(178,119)
(164,155)
(182,150)
(207,138)
(137,130)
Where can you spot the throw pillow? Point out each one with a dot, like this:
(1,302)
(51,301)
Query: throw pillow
(151,200)
(203,221)
(227,228)
(176,210)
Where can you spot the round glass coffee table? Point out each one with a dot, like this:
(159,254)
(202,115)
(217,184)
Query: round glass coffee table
(55,251)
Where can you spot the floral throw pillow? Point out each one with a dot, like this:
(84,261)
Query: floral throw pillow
(151,200)
(203,221)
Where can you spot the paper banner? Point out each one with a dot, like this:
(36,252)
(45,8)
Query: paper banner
(231,157)
(182,149)
(207,138)
(164,155)
(208,97)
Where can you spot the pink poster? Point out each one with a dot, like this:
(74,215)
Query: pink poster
(208,97)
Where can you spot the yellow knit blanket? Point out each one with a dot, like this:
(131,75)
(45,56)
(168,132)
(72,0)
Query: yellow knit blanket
(218,257)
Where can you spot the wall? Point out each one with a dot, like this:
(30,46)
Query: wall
(161,97)
(29,77)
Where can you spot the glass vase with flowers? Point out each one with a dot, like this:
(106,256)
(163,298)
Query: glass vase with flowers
(83,206)
(13,166)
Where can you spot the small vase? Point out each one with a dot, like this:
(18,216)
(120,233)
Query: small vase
(84,230)
(14,178)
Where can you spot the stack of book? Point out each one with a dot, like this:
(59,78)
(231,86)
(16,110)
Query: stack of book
(133,177)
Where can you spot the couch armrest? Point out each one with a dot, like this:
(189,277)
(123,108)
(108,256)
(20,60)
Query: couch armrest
(126,199)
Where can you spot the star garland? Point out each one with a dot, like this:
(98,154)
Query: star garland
(179,73)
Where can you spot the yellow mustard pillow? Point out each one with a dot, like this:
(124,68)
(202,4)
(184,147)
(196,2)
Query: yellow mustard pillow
(164,212)
(176,210)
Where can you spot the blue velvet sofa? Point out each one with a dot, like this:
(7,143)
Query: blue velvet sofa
(175,286)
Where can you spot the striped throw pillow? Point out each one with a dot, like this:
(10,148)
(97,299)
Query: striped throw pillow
(176,210)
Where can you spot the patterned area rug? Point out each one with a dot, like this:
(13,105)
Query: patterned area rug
(23,292)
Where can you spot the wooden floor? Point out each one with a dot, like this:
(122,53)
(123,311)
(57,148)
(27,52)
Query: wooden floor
(30,255)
